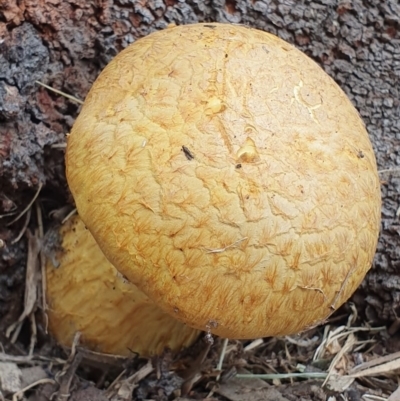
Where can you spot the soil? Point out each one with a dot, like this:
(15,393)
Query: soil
(66,43)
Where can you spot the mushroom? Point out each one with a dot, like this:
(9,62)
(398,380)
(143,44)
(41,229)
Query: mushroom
(224,173)
(85,293)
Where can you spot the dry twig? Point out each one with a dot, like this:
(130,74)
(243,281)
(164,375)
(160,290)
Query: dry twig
(69,369)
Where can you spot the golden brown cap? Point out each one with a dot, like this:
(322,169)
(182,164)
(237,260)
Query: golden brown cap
(87,294)
(224,173)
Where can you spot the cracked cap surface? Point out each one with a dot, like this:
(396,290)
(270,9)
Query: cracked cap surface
(226,175)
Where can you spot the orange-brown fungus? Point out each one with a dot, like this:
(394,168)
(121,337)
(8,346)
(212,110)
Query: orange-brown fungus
(87,294)
(272,224)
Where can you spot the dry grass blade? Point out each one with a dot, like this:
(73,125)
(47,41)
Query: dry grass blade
(66,380)
(28,206)
(126,387)
(69,215)
(66,375)
(273,376)
(30,359)
(389,171)
(7,214)
(111,388)
(350,341)
(24,227)
(17,396)
(222,355)
(103,359)
(191,375)
(32,342)
(253,345)
(141,373)
(303,343)
(70,97)
(329,337)
(31,282)
(42,259)
(379,369)
(13,358)
(374,362)
(341,332)
(74,347)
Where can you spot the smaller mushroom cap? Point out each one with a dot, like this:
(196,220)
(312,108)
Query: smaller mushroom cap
(87,294)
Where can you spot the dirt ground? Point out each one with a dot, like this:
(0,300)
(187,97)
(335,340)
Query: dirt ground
(65,44)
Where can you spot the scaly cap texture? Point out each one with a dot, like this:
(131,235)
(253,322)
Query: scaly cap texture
(228,176)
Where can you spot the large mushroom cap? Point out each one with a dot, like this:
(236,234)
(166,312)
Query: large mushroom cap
(85,293)
(224,173)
